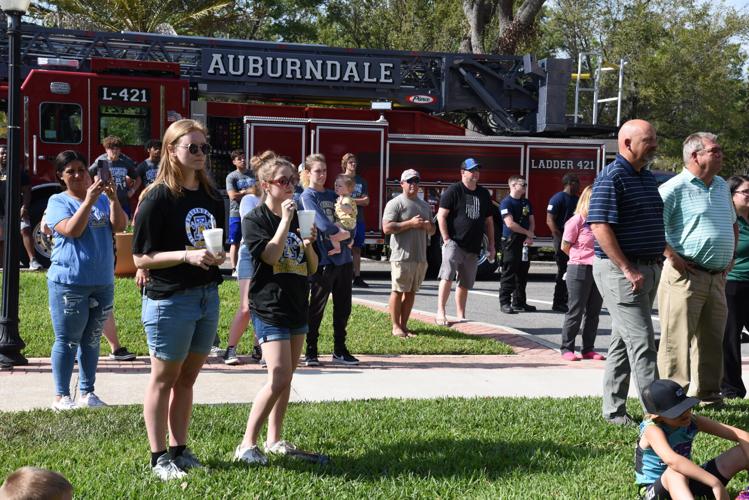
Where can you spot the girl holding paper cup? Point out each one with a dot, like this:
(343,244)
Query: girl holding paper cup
(180,309)
(279,301)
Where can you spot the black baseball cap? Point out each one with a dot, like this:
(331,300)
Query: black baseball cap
(469,164)
(666,398)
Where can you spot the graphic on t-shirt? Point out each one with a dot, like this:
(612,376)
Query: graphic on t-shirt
(291,259)
(358,190)
(473,207)
(197,220)
(329,208)
(97,218)
(119,174)
(151,174)
(245,182)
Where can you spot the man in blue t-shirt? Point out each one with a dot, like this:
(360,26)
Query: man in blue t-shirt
(561,207)
(626,217)
(518,227)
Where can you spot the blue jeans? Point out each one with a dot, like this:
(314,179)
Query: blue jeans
(184,322)
(78,313)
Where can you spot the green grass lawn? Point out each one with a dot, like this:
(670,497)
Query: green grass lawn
(447,448)
(368,330)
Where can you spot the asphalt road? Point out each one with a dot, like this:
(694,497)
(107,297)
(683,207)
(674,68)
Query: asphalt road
(483,304)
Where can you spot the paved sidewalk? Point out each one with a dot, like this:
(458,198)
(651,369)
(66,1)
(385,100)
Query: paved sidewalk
(535,370)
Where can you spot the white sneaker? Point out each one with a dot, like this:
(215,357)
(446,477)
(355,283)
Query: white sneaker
(217,352)
(280,448)
(250,455)
(63,404)
(35,265)
(90,400)
(166,470)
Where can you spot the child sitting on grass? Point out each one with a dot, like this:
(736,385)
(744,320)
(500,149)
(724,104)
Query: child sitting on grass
(663,465)
(32,482)
(345,211)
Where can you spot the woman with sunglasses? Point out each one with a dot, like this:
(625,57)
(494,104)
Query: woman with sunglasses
(737,293)
(180,304)
(81,278)
(279,301)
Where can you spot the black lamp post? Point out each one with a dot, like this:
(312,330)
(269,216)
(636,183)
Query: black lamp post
(11,343)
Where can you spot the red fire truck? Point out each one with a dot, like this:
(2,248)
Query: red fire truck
(78,87)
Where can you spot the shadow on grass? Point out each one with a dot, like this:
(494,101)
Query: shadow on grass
(440,459)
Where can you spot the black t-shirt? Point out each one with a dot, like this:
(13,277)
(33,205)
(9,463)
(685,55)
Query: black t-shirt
(468,213)
(279,294)
(25,181)
(167,223)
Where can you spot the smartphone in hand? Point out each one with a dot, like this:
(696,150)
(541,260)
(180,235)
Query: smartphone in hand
(103,171)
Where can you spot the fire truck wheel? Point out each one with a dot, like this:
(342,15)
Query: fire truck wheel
(42,243)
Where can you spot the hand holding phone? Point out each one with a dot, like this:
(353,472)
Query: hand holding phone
(103,171)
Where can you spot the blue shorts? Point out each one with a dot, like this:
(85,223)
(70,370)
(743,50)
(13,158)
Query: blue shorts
(182,323)
(269,333)
(235,231)
(245,264)
(359,236)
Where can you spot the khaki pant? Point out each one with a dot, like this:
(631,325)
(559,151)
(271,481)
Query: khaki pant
(692,310)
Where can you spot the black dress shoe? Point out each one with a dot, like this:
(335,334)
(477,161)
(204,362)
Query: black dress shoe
(507,309)
(562,308)
(525,308)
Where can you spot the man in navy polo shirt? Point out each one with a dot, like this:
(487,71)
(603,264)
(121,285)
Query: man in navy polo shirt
(517,231)
(561,207)
(626,217)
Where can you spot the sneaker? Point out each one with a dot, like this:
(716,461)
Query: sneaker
(63,404)
(310,357)
(562,308)
(230,357)
(345,358)
(593,355)
(263,363)
(622,420)
(35,265)
(570,356)
(234,273)
(166,470)
(122,354)
(217,352)
(90,400)
(257,353)
(250,455)
(524,307)
(280,448)
(187,460)
(359,283)
(507,309)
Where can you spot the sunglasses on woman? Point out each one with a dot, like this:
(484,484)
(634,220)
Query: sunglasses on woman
(284,181)
(194,148)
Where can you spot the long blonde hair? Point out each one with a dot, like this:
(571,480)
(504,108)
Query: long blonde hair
(170,173)
(583,203)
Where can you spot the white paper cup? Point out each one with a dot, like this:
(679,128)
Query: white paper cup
(214,240)
(306,220)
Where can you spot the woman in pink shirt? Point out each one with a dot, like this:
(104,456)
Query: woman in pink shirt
(584,299)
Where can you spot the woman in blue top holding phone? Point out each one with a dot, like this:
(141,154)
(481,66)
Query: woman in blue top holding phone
(81,277)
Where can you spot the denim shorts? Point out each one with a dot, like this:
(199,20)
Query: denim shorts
(269,333)
(182,323)
(235,230)
(245,264)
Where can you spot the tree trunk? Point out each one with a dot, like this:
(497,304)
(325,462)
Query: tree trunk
(478,13)
(515,27)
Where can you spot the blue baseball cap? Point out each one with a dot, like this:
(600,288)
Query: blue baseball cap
(469,164)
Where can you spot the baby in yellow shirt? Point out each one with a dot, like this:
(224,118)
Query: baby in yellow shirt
(345,210)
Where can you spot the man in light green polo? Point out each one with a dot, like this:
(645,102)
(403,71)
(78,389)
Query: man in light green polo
(700,225)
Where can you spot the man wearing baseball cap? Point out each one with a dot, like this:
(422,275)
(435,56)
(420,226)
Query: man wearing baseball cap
(464,217)
(408,220)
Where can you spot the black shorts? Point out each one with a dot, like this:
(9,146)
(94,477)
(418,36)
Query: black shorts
(656,491)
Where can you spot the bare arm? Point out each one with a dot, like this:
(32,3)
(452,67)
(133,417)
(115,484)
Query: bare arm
(566,245)
(362,201)
(555,231)
(415,222)
(160,260)
(442,223)
(517,228)
(235,195)
(489,230)
(77,224)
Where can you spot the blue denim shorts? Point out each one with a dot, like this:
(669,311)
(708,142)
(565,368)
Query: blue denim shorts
(269,333)
(182,323)
(235,230)
(245,264)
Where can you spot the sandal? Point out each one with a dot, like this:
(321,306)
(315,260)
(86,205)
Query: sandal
(441,321)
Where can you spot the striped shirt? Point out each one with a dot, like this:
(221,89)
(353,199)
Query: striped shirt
(699,219)
(629,202)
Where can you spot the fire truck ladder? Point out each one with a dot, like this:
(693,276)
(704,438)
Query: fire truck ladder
(514,93)
(599,70)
